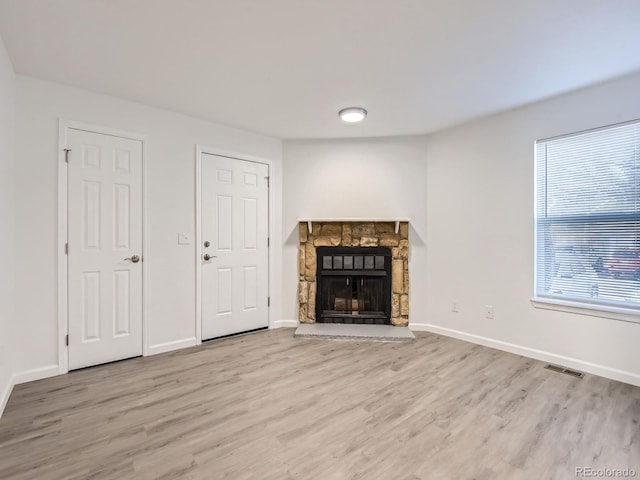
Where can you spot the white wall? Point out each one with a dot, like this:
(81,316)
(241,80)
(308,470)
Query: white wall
(7,253)
(365,178)
(171,151)
(480,237)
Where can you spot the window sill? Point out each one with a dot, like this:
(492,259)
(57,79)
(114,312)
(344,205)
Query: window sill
(614,313)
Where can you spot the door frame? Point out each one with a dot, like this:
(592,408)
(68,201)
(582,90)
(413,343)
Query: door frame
(200,150)
(63,222)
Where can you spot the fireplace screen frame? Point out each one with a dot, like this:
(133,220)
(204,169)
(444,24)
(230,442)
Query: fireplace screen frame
(353,265)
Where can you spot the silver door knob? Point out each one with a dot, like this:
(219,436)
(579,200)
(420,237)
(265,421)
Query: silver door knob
(208,257)
(133,259)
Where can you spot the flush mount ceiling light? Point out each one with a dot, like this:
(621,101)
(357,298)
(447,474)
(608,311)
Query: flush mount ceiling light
(352,114)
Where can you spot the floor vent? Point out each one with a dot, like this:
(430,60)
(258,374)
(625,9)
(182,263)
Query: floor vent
(566,371)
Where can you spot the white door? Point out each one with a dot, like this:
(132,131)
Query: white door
(105,248)
(235,258)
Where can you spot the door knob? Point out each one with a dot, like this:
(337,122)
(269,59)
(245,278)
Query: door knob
(133,259)
(208,257)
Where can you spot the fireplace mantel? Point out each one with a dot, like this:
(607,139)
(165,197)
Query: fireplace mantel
(396,220)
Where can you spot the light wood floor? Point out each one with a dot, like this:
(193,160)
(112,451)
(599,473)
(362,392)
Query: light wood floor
(270,407)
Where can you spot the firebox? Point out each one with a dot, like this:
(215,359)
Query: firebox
(354,285)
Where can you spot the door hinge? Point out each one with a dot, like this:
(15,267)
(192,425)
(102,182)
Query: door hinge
(66,249)
(268,301)
(267,179)
(66,340)
(66,155)
(268,242)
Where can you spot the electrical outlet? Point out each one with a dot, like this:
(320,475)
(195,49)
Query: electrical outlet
(454,306)
(488,311)
(184,239)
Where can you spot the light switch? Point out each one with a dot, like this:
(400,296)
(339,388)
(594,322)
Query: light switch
(184,239)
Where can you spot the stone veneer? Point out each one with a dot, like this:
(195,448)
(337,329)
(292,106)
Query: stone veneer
(354,234)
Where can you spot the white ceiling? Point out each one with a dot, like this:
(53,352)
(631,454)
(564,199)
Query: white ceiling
(285,67)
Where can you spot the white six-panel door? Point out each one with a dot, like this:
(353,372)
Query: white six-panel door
(235,263)
(105,248)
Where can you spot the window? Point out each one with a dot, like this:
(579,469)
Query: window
(588,218)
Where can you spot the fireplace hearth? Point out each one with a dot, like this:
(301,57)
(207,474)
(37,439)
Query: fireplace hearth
(353,285)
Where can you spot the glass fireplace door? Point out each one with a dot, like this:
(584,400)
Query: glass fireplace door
(353,286)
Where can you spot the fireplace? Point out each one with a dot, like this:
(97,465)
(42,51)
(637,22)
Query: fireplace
(353,285)
(353,271)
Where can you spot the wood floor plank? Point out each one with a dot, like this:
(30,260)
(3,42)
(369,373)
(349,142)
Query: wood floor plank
(272,406)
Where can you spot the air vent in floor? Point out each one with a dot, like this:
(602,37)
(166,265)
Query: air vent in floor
(566,371)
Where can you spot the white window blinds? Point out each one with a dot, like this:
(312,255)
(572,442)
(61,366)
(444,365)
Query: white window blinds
(588,217)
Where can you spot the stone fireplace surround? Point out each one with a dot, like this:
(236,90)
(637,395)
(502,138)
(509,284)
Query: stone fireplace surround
(354,234)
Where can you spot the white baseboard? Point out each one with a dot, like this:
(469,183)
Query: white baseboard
(24,377)
(593,368)
(5,395)
(170,346)
(285,324)
(36,374)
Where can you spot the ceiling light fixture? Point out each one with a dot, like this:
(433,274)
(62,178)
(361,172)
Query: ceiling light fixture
(352,114)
